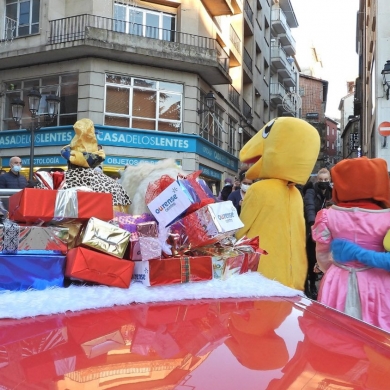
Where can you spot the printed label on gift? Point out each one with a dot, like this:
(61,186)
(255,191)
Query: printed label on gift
(170,204)
(225,216)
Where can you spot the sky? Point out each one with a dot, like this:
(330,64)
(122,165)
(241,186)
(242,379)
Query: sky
(331,26)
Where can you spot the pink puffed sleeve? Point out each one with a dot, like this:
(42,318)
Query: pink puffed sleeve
(321,233)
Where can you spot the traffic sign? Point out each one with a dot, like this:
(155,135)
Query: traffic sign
(384,129)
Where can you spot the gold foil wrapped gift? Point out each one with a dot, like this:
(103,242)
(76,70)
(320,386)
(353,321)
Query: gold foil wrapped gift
(105,237)
(226,261)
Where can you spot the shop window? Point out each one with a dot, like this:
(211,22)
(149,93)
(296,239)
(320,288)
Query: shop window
(63,86)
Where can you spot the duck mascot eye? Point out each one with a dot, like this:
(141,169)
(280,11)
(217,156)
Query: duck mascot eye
(283,153)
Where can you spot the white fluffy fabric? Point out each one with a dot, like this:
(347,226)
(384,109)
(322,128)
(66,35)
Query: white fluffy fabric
(20,304)
(135,181)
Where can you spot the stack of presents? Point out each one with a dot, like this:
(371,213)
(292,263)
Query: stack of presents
(57,237)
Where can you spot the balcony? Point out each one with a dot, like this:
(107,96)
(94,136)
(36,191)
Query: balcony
(235,48)
(279,21)
(278,56)
(94,36)
(218,7)
(288,43)
(248,67)
(277,93)
(234,97)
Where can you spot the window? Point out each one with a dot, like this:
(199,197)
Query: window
(142,103)
(327,130)
(211,123)
(232,145)
(144,22)
(25,17)
(64,86)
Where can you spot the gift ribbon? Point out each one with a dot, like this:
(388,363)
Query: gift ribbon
(66,205)
(185,269)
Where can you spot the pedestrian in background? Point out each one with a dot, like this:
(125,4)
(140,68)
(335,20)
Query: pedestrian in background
(13,178)
(237,196)
(226,190)
(315,198)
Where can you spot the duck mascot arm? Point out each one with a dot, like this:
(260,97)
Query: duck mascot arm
(283,153)
(344,251)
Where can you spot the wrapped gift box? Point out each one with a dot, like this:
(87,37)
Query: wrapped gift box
(206,226)
(31,271)
(170,204)
(86,264)
(130,222)
(32,205)
(173,270)
(149,245)
(15,238)
(226,261)
(105,237)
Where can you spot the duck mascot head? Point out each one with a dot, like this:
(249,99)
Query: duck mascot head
(283,153)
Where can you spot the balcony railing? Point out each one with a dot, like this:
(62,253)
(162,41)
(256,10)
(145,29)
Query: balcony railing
(234,96)
(246,109)
(248,60)
(9,29)
(236,41)
(248,11)
(75,28)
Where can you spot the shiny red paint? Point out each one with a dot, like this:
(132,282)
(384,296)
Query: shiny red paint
(268,343)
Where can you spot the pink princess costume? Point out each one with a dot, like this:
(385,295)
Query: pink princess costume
(352,287)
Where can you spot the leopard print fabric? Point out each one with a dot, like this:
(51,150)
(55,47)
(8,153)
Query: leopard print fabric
(98,182)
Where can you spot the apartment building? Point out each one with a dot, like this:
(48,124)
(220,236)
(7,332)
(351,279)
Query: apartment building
(188,79)
(372,104)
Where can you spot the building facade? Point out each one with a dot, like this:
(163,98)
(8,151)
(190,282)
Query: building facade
(142,72)
(314,93)
(372,104)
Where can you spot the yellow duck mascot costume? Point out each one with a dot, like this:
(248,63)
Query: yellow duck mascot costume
(283,153)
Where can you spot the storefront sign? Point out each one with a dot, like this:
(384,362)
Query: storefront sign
(210,172)
(39,161)
(131,161)
(121,137)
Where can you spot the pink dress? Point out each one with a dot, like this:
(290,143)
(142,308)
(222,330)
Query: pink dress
(366,228)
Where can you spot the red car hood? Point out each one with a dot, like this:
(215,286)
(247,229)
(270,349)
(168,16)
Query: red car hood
(267,343)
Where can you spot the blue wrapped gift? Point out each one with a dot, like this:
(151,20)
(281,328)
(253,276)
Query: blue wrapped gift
(37,270)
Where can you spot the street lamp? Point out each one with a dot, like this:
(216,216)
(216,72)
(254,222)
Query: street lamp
(210,103)
(34,99)
(386,78)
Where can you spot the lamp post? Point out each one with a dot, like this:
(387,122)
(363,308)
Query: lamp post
(386,78)
(34,99)
(210,103)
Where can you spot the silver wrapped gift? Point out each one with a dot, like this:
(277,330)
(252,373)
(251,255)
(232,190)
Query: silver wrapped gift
(15,238)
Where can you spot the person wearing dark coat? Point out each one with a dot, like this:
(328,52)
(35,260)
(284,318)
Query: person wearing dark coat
(13,178)
(237,196)
(227,189)
(315,197)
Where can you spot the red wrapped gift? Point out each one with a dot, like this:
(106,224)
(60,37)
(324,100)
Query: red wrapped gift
(250,247)
(32,205)
(173,270)
(92,266)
